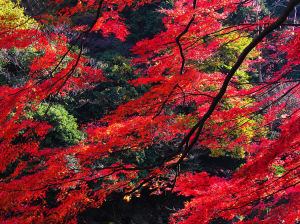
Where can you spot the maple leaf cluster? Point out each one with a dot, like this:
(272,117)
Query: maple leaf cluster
(190,105)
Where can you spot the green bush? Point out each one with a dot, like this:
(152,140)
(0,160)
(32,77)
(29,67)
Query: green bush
(64,131)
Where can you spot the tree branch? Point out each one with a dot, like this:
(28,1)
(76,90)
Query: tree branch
(197,129)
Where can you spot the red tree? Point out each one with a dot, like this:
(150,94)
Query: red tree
(171,61)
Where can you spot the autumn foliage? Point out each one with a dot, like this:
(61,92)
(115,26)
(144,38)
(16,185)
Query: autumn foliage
(201,96)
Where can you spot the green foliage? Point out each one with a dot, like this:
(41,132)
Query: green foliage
(227,54)
(14,65)
(247,14)
(279,170)
(107,95)
(64,131)
(144,157)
